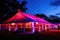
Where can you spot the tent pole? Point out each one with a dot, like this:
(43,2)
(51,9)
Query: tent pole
(33,27)
(16,27)
(9,27)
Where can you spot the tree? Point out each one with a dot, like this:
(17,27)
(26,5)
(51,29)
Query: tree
(8,8)
(54,19)
(42,16)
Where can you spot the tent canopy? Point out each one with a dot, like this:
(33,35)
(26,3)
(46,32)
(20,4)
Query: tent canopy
(19,17)
(22,17)
(38,19)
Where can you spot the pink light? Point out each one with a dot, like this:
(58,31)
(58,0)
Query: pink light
(16,27)
(37,18)
(33,28)
(9,27)
(59,25)
(15,18)
(54,30)
(46,27)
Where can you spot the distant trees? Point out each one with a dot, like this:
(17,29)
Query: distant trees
(51,18)
(41,15)
(8,8)
(54,19)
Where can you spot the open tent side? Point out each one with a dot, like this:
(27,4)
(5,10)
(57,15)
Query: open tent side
(27,20)
(44,22)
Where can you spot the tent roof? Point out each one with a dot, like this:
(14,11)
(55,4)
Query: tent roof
(22,17)
(19,17)
(38,19)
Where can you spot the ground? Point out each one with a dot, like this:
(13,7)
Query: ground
(48,35)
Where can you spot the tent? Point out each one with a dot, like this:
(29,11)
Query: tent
(27,21)
(43,22)
(18,19)
(37,18)
(21,17)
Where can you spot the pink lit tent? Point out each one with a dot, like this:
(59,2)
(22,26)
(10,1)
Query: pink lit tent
(40,20)
(37,18)
(21,17)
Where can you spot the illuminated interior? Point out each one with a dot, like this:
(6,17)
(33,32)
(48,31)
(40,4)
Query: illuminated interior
(47,27)
(41,26)
(12,26)
(28,27)
(20,25)
(37,26)
(26,22)
(7,26)
(52,27)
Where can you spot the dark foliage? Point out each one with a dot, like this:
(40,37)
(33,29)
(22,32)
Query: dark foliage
(51,18)
(8,8)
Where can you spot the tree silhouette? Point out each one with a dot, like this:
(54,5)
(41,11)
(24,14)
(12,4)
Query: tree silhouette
(51,18)
(54,19)
(8,8)
(42,16)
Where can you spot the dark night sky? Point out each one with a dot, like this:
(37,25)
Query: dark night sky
(42,6)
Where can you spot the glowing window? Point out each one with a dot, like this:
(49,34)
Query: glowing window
(36,22)
(36,25)
(7,25)
(13,25)
(20,25)
(28,25)
(47,25)
(41,25)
